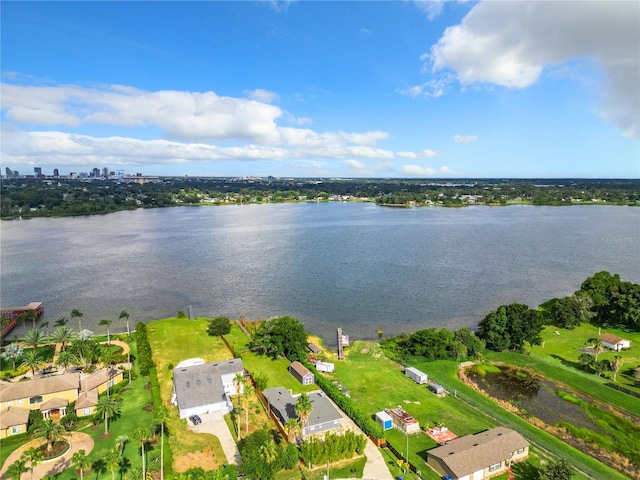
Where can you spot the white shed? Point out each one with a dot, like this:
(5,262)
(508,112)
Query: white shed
(416,375)
(327,367)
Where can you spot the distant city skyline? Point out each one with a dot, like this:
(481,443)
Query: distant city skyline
(323,89)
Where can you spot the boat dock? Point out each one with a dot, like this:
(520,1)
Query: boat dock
(12,314)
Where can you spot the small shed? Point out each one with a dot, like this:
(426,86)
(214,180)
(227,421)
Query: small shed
(326,367)
(314,348)
(437,389)
(416,375)
(302,373)
(614,342)
(384,420)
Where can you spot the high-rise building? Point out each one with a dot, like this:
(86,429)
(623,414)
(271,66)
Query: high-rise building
(37,171)
(105,172)
(55,172)
(8,172)
(95,173)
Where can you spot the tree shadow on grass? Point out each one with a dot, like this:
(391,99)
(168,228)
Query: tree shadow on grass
(525,471)
(567,363)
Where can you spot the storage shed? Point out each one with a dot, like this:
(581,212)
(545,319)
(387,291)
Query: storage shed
(384,420)
(301,373)
(326,367)
(416,375)
(437,389)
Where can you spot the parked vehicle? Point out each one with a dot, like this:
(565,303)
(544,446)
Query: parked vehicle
(195,419)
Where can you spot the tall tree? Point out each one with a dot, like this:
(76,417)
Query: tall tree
(61,322)
(121,441)
(34,338)
(62,334)
(303,409)
(219,326)
(81,461)
(113,460)
(17,468)
(239,382)
(108,324)
(596,346)
(33,456)
(161,416)
(292,427)
(142,435)
(107,407)
(556,470)
(268,452)
(616,364)
(32,360)
(50,432)
(75,313)
(124,314)
(12,352)
(248,391)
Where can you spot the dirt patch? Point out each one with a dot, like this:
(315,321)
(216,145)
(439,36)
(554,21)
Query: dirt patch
(204,459)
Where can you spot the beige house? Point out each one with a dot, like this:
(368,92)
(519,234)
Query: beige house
(52,395)
(479,456)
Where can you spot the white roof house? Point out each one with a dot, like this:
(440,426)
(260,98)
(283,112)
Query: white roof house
(205,388)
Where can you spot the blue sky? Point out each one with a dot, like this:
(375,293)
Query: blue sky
(323,89)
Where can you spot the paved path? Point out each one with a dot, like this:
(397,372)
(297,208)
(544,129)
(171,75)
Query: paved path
(214,424)
(78,441)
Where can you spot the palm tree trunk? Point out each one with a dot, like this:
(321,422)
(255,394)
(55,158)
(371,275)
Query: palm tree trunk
(162,451)
(144,469)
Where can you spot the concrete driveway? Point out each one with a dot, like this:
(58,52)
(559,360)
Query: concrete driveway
(214,424)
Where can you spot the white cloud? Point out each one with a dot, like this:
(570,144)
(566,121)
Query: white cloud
(465,138)
(355,164)
(261,95)
(436,87)
(430,8)
(426,153)
(511,43)
(420,171)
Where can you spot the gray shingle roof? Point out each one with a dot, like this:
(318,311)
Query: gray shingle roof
(281,399)
(201,384)
(468,454)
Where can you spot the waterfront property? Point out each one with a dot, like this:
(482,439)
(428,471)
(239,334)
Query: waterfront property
(479,456)
(301,373)
(614,342)
(52,395)
(12,314)
(324,415)
(204,388)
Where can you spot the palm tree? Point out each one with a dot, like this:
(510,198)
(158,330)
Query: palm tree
(161,416)
(142,434)
(107,407)
(65,358)
(61,322)
(12,352)
(268,452)
(81,461)
(239,382)
(125,314)
(34,457)
(33,338)
(121,441)
(248,390)
(292,427)
(114,460)
(596,346)
(108,324)
(62,334)
(75,313)
(616,364)
(17,468)
(32,359)
(303,409)
(50,432)
(29,315)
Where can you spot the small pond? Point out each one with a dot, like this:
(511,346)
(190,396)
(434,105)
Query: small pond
(536,397)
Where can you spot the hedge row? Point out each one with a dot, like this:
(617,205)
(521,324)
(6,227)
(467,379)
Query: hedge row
(145,361)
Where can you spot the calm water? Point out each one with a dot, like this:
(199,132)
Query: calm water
(353,265)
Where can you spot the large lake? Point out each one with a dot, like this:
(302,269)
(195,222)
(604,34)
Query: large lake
(354,265)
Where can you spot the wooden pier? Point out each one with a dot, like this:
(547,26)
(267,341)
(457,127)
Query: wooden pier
(11,315)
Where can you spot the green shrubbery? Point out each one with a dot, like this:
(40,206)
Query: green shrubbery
(145,361)
(332,448)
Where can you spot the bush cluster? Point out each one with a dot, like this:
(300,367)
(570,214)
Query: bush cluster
(333,448)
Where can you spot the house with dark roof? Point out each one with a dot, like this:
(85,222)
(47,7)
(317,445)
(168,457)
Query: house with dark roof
(324,416)
(614,342)
(205,388)
(301,373)
(479,456)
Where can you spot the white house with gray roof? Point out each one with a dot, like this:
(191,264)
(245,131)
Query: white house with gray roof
(205,388)
(324,415)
